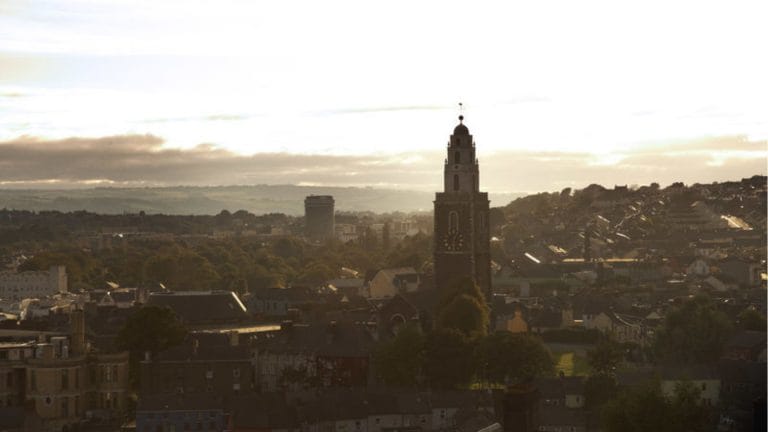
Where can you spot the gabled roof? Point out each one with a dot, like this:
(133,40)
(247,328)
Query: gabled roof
(747,339)
(263,411)
(393,273)
(195,307)
(339,339)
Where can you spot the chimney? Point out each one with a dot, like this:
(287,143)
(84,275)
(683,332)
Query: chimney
(45,351)
(331,332)
(234,338)
(286,325)
(77,332)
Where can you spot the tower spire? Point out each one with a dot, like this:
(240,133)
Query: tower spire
(461,112)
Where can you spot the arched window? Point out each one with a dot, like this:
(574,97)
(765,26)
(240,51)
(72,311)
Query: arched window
(457,157)
(455,182)
(453,221)
(482,221)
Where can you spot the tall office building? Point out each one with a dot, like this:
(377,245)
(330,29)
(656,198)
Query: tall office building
(319,216)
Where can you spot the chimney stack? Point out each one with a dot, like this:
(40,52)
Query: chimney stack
(77,332)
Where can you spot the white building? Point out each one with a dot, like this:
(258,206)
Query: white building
(33,284)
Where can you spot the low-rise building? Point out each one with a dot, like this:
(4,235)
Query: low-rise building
(33,284)
(60,382)
(388,282)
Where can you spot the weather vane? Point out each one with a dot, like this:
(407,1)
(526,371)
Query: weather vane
(461,112)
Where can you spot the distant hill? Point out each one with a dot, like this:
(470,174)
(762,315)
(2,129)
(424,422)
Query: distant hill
(259,199)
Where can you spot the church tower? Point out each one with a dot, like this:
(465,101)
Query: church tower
(462,244)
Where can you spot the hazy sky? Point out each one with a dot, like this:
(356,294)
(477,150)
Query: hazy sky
(365,93)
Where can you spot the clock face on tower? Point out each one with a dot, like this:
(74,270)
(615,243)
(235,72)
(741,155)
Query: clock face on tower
(453,241)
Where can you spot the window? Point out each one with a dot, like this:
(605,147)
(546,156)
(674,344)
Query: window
(65,379)
(455,182)
(65,406)
(457,157)
(92,374)
(236,373)
(453,221)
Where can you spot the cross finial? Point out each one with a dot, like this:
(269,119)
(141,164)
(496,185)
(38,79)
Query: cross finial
(461,112)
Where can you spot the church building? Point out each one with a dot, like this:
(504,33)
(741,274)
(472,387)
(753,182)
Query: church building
(462,243)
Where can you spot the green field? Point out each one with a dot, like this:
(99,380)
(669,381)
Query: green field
(570,364)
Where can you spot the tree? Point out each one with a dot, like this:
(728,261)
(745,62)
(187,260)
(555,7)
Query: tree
(449,362)
(317,274)
(599,389)
(386,234)
(288,247)
(646,408)
(639,410)
(751,319)
(690,414)
(466,315)
(399,361)
(505,357)
(463,308)
(149,329)
(606,355)
(465,286)
(692,333)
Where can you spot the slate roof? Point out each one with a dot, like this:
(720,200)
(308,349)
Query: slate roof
(558,387)
(340,339)
(747,340)
(561,416)
(179,402)
(740,371)
(263,412)
(204,352)
(198,307)
(643,375)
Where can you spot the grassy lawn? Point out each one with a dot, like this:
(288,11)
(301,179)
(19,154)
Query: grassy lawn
(570,364)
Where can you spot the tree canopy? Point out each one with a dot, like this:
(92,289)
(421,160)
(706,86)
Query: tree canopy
(694,332)
(449,361)
(151,329)
(646,408)
(398,361)
(505,357)
(463,308)
(605,357)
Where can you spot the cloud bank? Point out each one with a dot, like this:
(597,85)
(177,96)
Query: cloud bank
(131,160)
